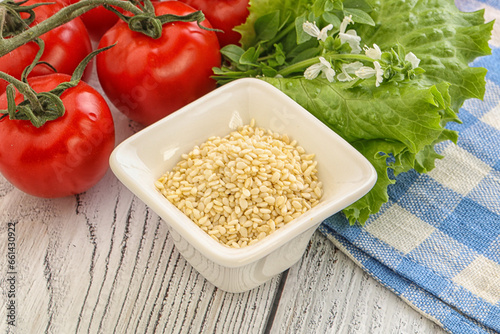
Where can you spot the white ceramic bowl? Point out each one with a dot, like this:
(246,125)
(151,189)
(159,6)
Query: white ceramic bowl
(145,156)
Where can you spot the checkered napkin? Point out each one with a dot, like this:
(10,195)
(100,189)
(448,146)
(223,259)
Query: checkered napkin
(436,243)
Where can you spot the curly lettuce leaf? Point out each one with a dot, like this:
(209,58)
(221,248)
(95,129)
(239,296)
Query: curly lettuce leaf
(443,38)
(395,126)
(401,122)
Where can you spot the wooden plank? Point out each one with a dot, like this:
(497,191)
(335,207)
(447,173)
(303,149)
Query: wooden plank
(102,262)
(328,293)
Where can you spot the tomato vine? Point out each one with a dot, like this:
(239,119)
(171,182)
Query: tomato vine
(143,20)
(18,33)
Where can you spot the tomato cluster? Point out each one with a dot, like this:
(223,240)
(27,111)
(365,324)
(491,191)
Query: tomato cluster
(65,47)
(145,78)
(148,78)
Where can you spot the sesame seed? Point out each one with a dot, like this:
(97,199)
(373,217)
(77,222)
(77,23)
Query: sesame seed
(242,187)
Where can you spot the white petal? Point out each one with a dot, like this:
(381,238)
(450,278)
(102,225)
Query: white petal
(325,62)
(352,67)
(311,29)
(313,71)
(373,53)
(345,22)
(342,77)
(412,59)
(323,66)
(365,72)
(355,48)
(348,69)
(327,69)
(353,39)
(329,73)
(323,34)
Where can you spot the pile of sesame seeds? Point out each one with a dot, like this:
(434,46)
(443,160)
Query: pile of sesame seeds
(241,188)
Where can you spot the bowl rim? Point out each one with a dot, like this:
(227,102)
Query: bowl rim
(199,239)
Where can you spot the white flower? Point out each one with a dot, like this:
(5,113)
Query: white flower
(323,66)
(373,53)
(349,36)
(313,30)
(345,22)
(353,39)
(412,59)
(366,72)
(348,69)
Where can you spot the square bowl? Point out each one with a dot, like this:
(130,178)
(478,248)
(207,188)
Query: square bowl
(145,156)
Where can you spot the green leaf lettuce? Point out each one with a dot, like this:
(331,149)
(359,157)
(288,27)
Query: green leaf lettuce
(396,125)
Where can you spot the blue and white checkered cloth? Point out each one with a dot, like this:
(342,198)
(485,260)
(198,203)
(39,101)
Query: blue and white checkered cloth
(436,243)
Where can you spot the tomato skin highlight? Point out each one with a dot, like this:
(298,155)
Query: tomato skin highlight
(224,15)
(65,47)
(146,78)
(65,156)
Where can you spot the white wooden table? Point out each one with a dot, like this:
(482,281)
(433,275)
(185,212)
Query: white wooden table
(103,262)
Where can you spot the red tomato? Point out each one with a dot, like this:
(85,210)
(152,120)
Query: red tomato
(148,78)
(65,47)
(223,15)
(65,156)
(97,20)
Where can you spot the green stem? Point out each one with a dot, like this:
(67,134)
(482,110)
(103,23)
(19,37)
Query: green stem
(61,17)
(3,14)
(41,107)
(302,65)
(271,56)
(24,89)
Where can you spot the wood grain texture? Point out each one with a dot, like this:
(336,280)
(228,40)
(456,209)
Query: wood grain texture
(102,262)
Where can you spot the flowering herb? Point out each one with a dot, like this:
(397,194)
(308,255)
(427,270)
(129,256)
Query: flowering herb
(365,72)
(350,36)
(386,76)
(348,69)
(323,66)
(374,53)
(312,30)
